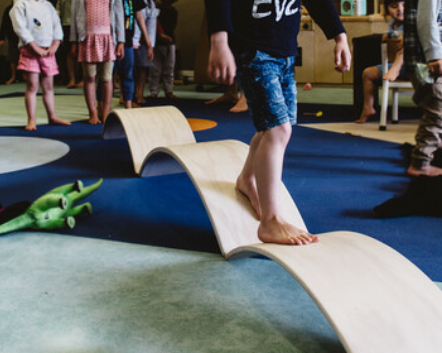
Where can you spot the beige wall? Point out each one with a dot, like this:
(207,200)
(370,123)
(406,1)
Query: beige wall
(190,16)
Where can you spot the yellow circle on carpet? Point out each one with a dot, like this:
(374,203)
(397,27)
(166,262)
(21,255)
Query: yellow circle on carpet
(201,124)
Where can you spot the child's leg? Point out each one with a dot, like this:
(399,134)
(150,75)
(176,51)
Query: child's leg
(429,133)
(126,73)
(47,85)
(105,76)
(89,72)
(370,78)
(31,99)
(270,88)
(155,72)
(168,70)
(241,105)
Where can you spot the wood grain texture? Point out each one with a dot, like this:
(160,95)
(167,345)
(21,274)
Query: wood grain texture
(148,128)
(375,299)
(213,168)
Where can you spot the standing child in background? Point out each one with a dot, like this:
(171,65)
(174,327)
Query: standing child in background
(38,28)
(373,75)
(143,53)
(98,27)
(132,14)
(7,32)
(64,11)
(261,54)
(165,51)
(423,62)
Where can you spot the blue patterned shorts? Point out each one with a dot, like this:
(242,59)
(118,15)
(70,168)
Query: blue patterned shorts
(270,88)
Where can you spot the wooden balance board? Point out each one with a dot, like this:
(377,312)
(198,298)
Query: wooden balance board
(375,299)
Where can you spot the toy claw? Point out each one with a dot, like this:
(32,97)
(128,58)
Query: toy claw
(55,209)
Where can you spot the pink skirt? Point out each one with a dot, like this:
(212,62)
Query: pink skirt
(96,48)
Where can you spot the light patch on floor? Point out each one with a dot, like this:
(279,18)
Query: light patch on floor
(20,153)
(400,133)
(71,294)
(71,108)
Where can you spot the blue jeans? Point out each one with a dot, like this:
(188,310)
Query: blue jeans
(270,88)
(126,72)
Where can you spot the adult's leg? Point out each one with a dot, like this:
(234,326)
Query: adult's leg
(31,99)
(370,79)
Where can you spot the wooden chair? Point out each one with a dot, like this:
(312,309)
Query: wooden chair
(396,86)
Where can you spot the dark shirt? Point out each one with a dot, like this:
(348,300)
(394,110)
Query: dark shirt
(131,7)
(168,18)
(266,26)
(6,31)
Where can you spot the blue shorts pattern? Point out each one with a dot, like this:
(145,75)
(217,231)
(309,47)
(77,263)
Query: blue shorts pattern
(270,88)
(402,74)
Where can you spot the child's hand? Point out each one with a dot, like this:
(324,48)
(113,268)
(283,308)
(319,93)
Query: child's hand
(2,42)
(435,67)
(119,51)
(53,48)
(37,49)
(342,53)
(222,67)
(149,53)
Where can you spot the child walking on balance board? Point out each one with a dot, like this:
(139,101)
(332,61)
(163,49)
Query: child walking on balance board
(256,41)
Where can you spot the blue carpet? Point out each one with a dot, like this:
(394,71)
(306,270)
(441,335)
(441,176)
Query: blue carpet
(335,179)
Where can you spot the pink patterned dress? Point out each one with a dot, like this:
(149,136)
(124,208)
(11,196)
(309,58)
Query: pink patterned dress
(98,45)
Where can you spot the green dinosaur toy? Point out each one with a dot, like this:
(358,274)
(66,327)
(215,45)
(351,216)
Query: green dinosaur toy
(55,209)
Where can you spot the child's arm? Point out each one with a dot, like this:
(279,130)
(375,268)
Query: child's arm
(395,69)
(325,15)
(54,47)
(429,37)
(143,29)
(57,31)
(222,67)
(19,23)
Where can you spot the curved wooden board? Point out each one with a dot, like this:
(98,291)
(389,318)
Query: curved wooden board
(148,128)
(213,167)
(376,300)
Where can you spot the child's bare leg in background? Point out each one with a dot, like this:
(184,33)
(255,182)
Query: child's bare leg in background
(47,85)
(32,83)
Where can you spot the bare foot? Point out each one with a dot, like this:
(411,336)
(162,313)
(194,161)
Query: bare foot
(31,126)
(240,106)
(428,170)
(366,113)
(79,84)
(71,84)
(280,232)
(153,95)
(94,120)
(225,98)
(10,81)
(57,121)
(248,189)
(141,101)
